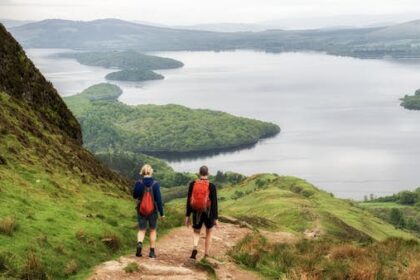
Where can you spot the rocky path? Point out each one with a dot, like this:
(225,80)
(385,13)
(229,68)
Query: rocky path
(173,251)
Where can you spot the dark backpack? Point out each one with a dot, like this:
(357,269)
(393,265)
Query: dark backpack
(146,206)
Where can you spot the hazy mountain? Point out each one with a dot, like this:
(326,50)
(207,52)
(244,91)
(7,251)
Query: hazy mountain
(408,30)
(118,34)
(13,23)
(226,27)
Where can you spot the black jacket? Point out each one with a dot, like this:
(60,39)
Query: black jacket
(213,213)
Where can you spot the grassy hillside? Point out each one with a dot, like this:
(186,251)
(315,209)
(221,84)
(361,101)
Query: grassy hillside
(62,211)
(158,129)
(290,204)
(20,78)
(411,102)
(336,238)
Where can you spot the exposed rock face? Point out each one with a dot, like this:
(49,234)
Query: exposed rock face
(22,80)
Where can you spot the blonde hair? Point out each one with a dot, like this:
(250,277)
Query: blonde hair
(146,170)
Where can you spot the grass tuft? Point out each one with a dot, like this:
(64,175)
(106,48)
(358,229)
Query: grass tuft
(132,267)
(8,226)
(71,268)
(33,268)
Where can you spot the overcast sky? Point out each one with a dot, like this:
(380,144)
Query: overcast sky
(179,12)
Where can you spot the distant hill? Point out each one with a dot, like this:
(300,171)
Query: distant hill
(408,30)
(399,41)
(107,33)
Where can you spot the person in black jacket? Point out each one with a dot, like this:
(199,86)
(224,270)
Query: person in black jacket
(208,218)
(147,181)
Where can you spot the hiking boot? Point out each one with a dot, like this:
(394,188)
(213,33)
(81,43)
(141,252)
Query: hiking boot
(152,254)
(194,254)
(138,251)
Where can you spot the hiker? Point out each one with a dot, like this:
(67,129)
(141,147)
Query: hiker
(149,203)
(202,204)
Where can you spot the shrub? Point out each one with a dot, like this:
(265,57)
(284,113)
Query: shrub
(237,194)
(132,267)
(307,193)
(346,251)
(8,226)
(407,197)
(396,218)
(295,188)
(33,268)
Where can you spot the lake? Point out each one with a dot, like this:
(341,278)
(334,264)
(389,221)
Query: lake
(342,126)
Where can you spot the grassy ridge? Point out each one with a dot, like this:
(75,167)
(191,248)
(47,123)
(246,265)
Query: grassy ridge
(292,204)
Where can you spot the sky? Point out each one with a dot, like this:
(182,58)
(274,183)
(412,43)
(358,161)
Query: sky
(188,12)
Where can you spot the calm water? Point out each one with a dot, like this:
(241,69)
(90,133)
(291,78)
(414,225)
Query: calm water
(342,126)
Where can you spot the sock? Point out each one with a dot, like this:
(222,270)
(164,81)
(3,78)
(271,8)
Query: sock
(139,244)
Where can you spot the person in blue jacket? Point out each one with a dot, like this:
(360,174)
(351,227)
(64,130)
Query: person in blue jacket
(147,180)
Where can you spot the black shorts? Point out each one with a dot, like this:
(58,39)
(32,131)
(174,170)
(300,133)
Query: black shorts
(151,220)
(202,218)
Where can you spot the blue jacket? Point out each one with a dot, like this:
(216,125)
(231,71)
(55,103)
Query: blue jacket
(138,190)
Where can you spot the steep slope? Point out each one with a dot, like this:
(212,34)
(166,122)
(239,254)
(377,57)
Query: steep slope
(62,211)
(20,78)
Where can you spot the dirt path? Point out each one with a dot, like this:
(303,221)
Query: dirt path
(173,251)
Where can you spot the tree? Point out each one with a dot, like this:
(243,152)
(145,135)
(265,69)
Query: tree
(397,218)
(407,197)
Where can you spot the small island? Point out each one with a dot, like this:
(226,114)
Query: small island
(110,124)
(136,75)
(134,66)
(411,102)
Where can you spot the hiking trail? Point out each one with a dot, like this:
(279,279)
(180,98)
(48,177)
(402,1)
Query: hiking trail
(173,251)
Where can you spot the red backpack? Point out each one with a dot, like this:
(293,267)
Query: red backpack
(200,201)
(147,203)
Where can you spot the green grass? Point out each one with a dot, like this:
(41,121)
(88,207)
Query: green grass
(282,203)
(63,222)
(62,212)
